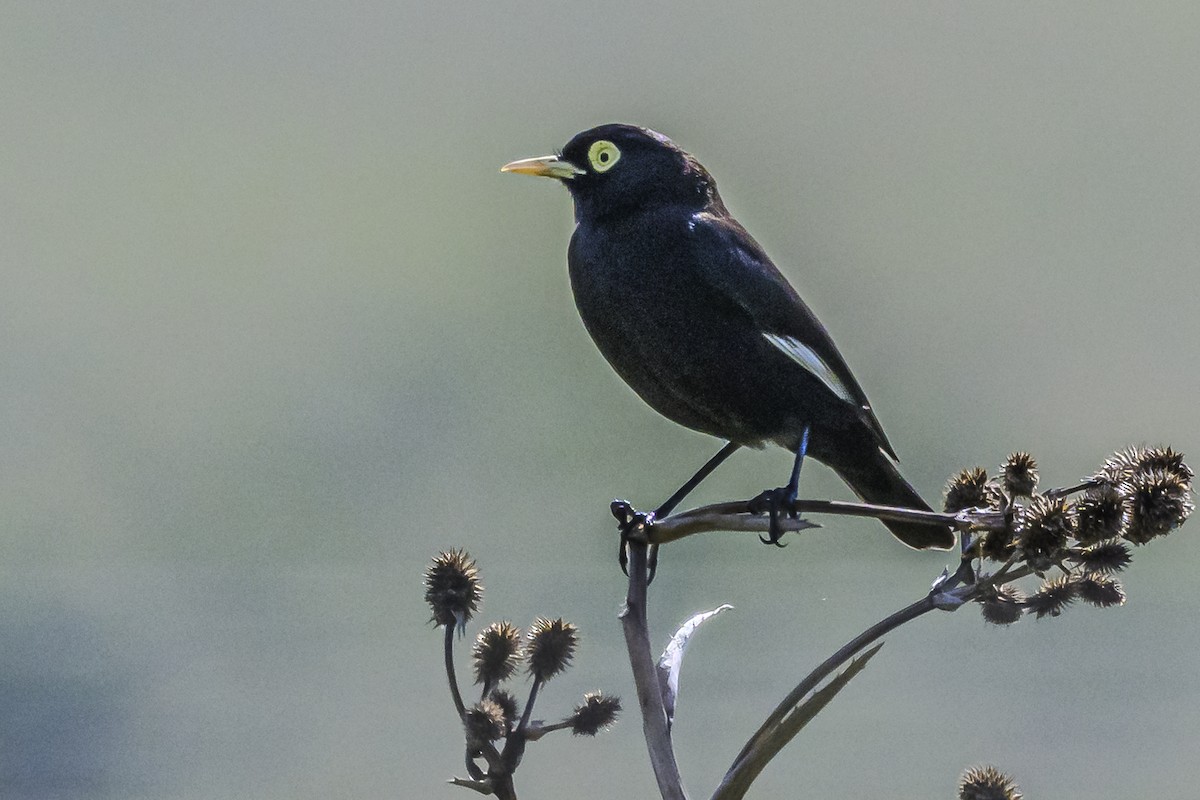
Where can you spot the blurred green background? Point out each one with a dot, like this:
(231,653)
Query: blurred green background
(275,331)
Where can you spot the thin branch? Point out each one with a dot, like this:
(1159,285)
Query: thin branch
(450,676)
(533,693)
(895,513)
(487,750)
(645,678)
(514,746)
(704,520)
(535,731)
(483,787)
(736,516)
(502,787)
(802,714)
(472,768)
(782,724)
(735,786)
(997,576)
(765,742)
(1085,484)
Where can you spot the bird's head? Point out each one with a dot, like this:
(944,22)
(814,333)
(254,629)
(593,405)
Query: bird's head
(616,168)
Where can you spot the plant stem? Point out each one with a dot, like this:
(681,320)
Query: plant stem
(645,678)
(735,516)
(535,732)
(767,741)
(450,676)
(533,693)
(514,746)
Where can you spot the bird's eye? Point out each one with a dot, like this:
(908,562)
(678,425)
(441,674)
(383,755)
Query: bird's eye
(602,155)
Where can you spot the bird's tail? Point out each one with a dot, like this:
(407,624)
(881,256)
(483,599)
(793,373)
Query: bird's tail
(876,480)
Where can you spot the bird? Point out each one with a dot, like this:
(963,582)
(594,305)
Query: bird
(693,315)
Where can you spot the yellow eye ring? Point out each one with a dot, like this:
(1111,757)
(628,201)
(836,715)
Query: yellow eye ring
(602,155)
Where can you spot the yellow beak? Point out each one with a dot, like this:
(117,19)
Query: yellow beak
(544,166)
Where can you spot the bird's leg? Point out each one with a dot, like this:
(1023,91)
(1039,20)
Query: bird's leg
(641,518)
(683,491)
(773,501)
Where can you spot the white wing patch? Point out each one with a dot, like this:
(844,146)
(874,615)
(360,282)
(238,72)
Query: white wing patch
(806,357)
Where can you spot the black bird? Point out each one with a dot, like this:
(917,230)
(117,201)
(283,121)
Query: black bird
(692,314)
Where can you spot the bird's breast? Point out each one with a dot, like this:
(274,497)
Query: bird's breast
(659,326)
(633,281)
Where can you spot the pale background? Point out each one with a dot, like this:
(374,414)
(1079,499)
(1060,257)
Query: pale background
(275,331)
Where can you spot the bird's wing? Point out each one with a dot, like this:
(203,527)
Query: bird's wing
(737,268)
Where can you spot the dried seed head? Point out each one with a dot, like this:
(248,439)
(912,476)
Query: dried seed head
(1165,458)
(966,490)
(997,545)
(1003,606)
(452,588)
(1100,591)
(508,705)
(1105,558)
(550,647)
(594,714)
(484,722)
(987,783)
(1101,513)
(1019,474)
(1043,528)
(1121,465)
(1159,502)
(497,653)
(1054,596)
(1124,464)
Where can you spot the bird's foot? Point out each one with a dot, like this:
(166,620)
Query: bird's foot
(774,502)
(634,524)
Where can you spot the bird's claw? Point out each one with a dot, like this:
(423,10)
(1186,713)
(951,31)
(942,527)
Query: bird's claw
(632,522)
(774,502)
